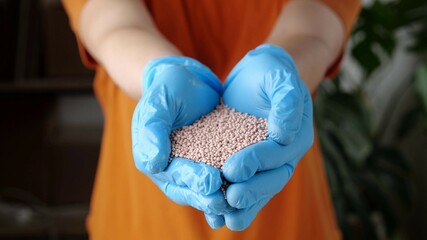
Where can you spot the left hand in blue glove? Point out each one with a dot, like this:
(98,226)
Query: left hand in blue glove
(176,92)
(265,83)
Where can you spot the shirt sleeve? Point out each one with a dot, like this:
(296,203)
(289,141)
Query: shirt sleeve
(347,11)
(73,9)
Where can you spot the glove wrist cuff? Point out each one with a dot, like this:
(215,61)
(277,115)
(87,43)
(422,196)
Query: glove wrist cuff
(200,70)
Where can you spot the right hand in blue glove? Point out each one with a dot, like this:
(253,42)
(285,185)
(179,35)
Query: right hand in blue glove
(176,92)
(265,83)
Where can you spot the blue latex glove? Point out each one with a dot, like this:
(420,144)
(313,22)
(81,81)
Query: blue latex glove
(176,92)
(265,83)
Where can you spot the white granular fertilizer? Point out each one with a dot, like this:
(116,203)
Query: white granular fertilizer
(217,135)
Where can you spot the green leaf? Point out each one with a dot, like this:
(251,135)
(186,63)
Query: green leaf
(424,121)
(365,57)
(408,122)
(389,44)
(421,84)
(394,171)
(380,200)
(349,190)
(347,119)
(338,197)
(392,155)
(357,146)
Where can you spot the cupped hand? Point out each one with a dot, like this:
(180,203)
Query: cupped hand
(176,92)
(265,83)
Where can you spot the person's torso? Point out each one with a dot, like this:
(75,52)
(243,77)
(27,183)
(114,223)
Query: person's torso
(127,205)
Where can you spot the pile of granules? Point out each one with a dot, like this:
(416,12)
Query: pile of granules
(217,135)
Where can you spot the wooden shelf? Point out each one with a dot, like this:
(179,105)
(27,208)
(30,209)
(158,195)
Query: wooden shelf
(50,85)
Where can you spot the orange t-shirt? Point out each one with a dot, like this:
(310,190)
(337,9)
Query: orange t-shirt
(127,205)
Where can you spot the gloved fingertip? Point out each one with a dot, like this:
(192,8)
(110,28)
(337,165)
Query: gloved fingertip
(151,157)
(215,221)
(206,186)
(198,177)
(212,183)
(216,204)
(155,169)
(237,196)
(280,134)
(236,169)
(211,179)
(236,224)
(156,165)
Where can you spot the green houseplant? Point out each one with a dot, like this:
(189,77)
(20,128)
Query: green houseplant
(371,183)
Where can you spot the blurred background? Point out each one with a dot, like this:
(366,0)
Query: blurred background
(372,121)
(50,124)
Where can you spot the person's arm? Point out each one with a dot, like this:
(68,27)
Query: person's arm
(122,37)
(312,34)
